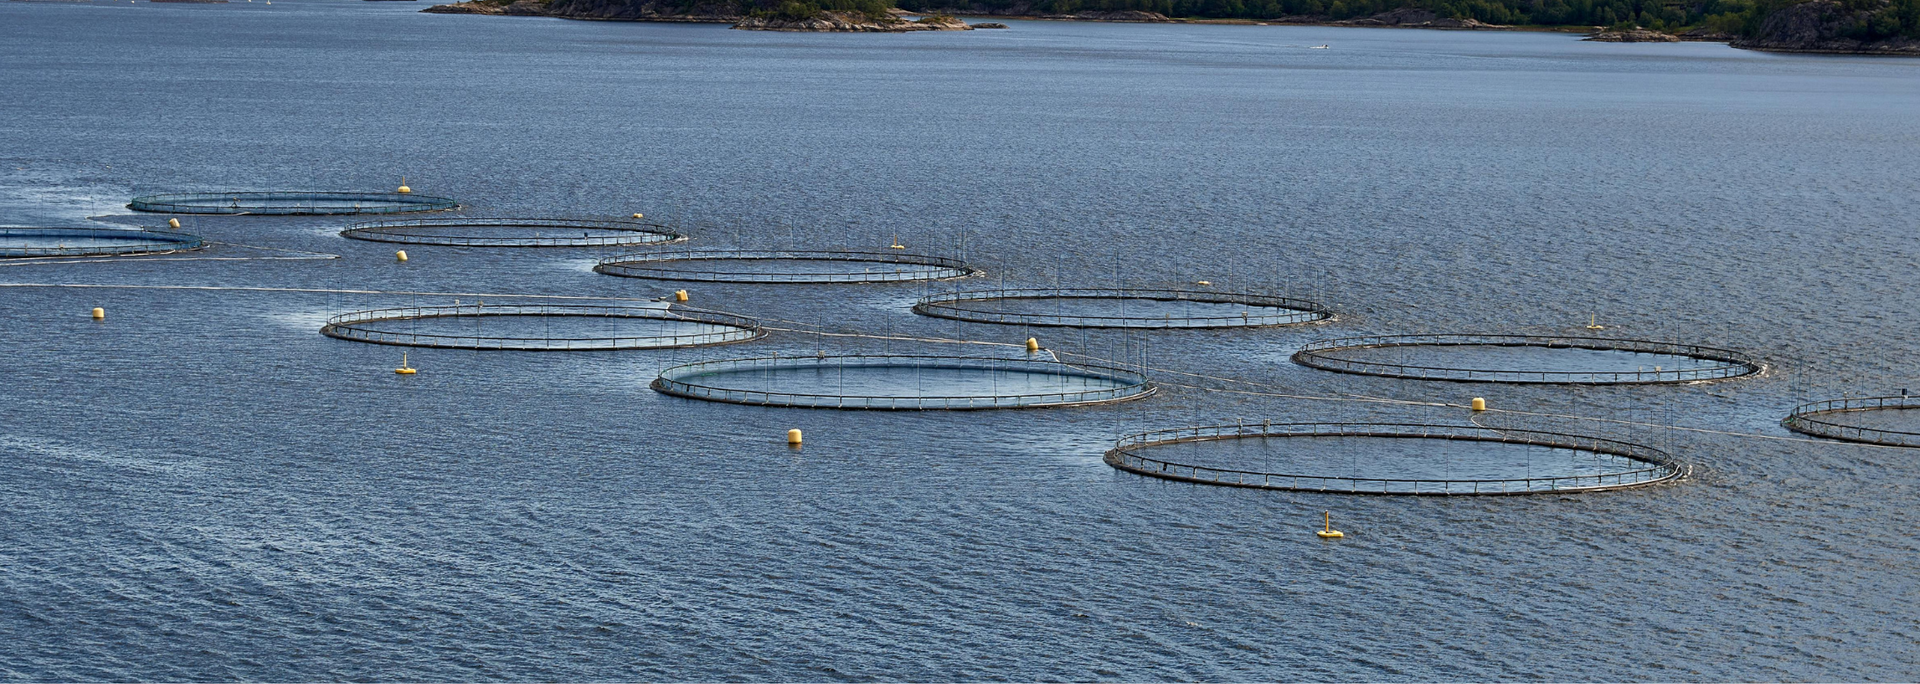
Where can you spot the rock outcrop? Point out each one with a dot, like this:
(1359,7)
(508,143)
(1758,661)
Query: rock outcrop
(1827,26)
(707,11)
(1637,35)
(1027,10)
(518,8)
(1132,16)
(853,22)
(1707,35)
(702,11)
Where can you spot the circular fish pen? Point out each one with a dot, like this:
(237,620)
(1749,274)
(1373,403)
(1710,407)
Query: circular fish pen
(290,203)
(514,232)
(1532,359)
(902,382)
(542,327)
(21,242)
(1868,420)
(1120,308)
(1392,458)
(785,266)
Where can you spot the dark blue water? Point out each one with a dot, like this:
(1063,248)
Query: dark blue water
(203,487)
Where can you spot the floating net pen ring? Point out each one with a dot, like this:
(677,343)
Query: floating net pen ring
(514,232)
(1264,310)
(1816,419)
(880,382)
(1639,465)
(28,242)
(785,266)
(1720,363)
(290,203)
(678,328)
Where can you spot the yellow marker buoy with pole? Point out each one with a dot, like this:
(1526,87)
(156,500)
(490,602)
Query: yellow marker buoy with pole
(99,314)
(173,223)
(400,256)
(404,369)
(1479,404)
(403,186)
(1593,322)
(793,437)
(679,295)
(1328,532)
(896,243)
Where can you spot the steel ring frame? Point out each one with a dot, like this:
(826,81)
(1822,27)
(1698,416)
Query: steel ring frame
(1660,466)
(675,381)
(1733,364)
(951,305)
(155,242)
(355,326)
(651,265)
(289,203)
(1810,419)
(633,232)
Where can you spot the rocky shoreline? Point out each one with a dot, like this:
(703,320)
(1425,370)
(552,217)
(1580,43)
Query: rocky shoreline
(596,10)
(605,10)
(1825,27)
(1817,26)
(1400,18)
(1638,35)
(854,22)
(518,8)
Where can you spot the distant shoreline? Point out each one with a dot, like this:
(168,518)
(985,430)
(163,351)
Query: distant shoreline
(1406,18)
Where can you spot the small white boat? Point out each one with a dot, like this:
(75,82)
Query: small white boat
(1316,47)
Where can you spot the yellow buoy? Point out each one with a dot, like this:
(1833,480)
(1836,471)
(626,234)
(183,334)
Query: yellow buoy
(1203,282)
(1593,323)
(1479,404)
(896,243)
(638,215)
(401,256)
(1033,345)
(679,295)
(793,436)
(1328,532)
(99,314)
(403,186)
(173,223)
(404,369)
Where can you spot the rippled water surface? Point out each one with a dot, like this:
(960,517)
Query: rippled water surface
(202,487)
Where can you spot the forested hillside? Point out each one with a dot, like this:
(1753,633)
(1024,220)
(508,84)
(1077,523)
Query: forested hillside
(1859,19)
